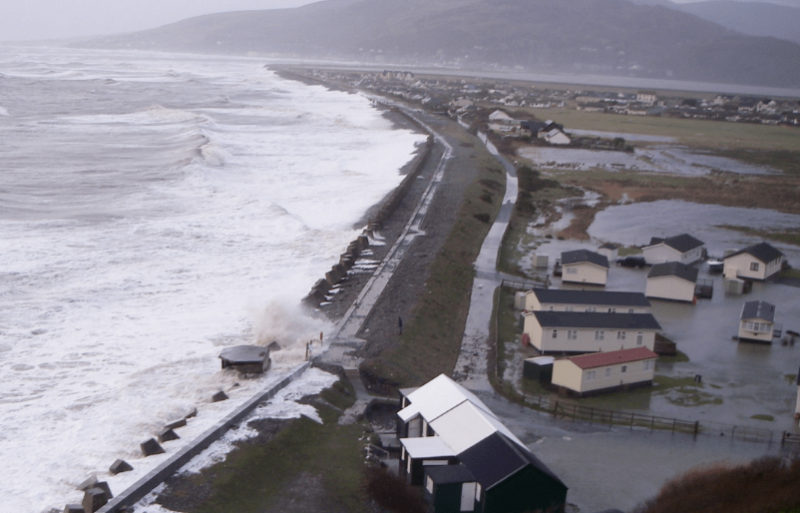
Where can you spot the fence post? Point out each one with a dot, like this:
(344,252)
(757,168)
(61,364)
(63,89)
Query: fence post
(673,424)
(591,415)
(555,408)
(696,427)
(633,416)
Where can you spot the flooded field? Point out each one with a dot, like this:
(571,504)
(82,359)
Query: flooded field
(739,380)
(653,159)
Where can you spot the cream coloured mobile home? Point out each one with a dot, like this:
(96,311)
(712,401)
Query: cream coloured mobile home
(673,281)
(587,332)
(757,322)
(605,372)
(583,266)
(566,300)
(756,262)
(681,248)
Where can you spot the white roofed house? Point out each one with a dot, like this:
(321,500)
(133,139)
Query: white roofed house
(757,322)
(566,300)
(588,332)
(597,373)
(466,458)
(680,248)
(583,266)
(672,281)
(756,262)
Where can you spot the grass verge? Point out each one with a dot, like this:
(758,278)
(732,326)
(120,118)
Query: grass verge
(432,337)
(264,476)
(788,236)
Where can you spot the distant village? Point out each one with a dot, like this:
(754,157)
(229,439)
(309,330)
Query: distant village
(460,96)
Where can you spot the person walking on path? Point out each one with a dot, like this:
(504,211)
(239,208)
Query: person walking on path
(400,325)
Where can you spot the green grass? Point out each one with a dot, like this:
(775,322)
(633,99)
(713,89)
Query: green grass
(625,251)
(680,357)
(254,475)
(762,416)
(783,160)
(788,236)
(736,137)
(790,273)
(432,337)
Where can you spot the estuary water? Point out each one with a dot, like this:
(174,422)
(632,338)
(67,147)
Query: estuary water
(155,209)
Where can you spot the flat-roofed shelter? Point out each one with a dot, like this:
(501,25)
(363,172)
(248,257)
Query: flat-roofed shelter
(246,359)
(466,458)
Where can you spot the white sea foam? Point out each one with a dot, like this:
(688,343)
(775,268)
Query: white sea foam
(153,210)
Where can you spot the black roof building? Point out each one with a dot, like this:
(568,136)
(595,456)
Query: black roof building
(759,310)
(644,321)
(762,251)
(583,255)
(683,242)
(678,269)
(591,297)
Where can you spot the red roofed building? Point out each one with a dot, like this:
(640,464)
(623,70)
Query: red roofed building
(600,373)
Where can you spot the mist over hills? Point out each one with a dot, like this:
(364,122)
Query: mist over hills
(610,37)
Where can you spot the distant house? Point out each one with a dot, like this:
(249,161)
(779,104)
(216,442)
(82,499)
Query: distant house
(597,373)
(646,97)
(564,300)
(757,322)
(466,458)
(756,262)
(557,137)
(532,128)
(681,248)
(499,116)
(587,332)
(673,281)
(584,266)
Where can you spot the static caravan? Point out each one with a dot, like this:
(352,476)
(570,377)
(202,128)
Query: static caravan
(596,373)
(756,262)
(681,248)
(588,332)
(584,267)
(757,322)
(673,281)
(566,300)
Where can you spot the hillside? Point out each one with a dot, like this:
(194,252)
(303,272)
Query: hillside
(752,18)
(612,37)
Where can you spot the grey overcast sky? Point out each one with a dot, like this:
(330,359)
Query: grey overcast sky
(22,20)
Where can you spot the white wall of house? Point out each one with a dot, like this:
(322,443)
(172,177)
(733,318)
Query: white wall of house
(661,253)
(670,287)
(756,329)
(585,340)
(584,272)
(569,375)
(745,265)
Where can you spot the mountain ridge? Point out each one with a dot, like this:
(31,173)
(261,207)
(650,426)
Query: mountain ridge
(611,37)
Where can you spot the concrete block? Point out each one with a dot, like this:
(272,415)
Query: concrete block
(219,396)
(104,486)
(151,447)
(191,414)
(120,466)
(167,434)
(94,499)
(73,508)
(89,483)
(174,424)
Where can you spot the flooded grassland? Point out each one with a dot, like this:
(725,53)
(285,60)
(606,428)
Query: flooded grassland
(666,187)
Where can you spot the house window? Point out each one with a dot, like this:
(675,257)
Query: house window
(612,310)
(639,338)
(477,492)
(754,266)
(630,310)
(572,334)
(608,372)
(648,364)
(551,308)
(429,485)
(572,270)
(599,335)
(468,496)
(624,368)
(590,375)
(591,309)
(569,309)
(620,335)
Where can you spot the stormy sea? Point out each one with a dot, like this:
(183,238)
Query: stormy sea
(155,209)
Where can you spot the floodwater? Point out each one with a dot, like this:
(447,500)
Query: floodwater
(654,159)
(618,467)
(748,379)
